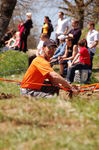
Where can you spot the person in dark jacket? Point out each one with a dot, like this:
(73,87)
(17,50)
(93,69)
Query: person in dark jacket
(75,32)
(27,26)
(47,27)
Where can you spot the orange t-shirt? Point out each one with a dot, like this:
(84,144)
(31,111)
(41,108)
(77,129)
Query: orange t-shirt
(36,73)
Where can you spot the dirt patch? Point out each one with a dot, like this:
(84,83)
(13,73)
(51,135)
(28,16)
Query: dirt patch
(6,96)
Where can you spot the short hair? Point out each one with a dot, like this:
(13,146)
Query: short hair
(75,20)
(49,43)
(82,43)
(91,23)
(61,13)
(29,14)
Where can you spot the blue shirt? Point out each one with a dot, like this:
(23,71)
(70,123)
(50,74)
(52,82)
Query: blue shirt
(60,50)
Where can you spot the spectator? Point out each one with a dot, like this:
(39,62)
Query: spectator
(70,53)
(75,32)
(39,70)
(25,33)
(12,43)
(60,50)
(81,61)
(8,35)
(38,52)
(62,26)
(47,27)
(43,38)
(92,41)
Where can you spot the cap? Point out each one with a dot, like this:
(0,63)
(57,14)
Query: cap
(49,43)
(61,37)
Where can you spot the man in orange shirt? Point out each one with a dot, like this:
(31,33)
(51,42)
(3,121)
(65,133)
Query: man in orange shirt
(39,70)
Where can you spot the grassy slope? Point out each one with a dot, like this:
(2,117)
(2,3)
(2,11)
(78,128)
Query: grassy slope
(49,125)
(27,124)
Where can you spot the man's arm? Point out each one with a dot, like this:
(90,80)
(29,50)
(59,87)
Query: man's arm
(57,80)
(94,44)
(66,30)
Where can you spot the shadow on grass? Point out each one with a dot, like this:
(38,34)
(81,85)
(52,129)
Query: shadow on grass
(96,70)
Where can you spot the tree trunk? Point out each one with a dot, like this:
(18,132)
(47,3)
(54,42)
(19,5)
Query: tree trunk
(6,10)
(81,18)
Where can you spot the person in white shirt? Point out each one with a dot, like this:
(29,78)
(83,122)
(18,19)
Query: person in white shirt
(62,26)
(43,38)
(34,53)
(92,41)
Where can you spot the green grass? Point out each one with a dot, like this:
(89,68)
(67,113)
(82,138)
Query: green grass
(53,124)
(12,62)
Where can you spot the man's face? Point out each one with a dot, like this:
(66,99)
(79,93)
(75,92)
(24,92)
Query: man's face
(49,51)
(90,26)
(60,15)
(74,24)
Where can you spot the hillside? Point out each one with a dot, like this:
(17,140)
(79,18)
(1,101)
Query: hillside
(60,123)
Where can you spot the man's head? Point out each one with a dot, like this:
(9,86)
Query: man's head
(61,15)
(49,48)
(91,25)
(46,19)
(29,15)
(75,23)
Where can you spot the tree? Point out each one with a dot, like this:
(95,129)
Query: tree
(76,8)
(93,11)
(7,7)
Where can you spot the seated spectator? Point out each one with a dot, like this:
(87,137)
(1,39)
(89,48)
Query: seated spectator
(60,50)
(39,71)
(38,52)
(16,44)
(13,43)
(81,61)
(70,53)
(43,38)
(7,36)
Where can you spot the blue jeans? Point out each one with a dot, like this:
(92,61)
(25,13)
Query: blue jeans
(91,59)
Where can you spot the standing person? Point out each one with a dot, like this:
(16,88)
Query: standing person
(62,26)
(92,41)
(26,31)
(47,27)
(39,70)
(75,32)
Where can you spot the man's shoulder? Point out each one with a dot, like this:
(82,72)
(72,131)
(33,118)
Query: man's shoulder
(40,60)
(96,32)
